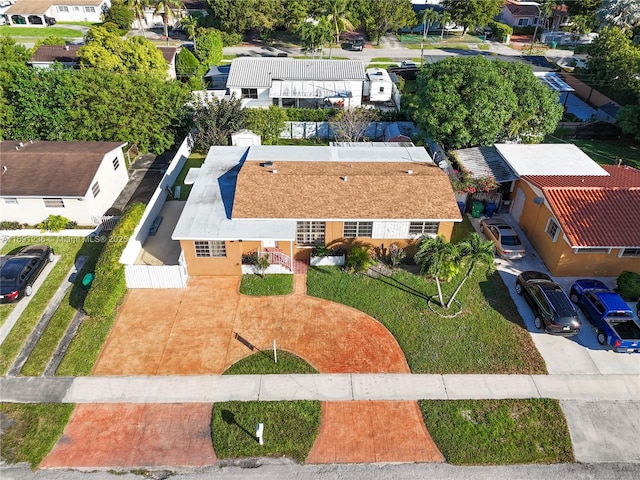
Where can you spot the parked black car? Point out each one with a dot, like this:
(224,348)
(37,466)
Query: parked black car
(18,272)
(552,308)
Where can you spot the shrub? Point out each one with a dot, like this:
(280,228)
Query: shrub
(310,114)
(629,285)
(119,14)
(231,39)
(262,263)
(500,30)
(109,285)
(396,254)
(7,225)
(187,64)
(111,27)
(359,259)
(54,223)
(528,30)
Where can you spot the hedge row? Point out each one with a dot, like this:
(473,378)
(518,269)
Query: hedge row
(109,285)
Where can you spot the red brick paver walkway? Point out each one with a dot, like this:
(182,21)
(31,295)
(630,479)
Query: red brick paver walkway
(206,328)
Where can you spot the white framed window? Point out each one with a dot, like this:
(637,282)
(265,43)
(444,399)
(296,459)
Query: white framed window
(249,93)
(210,248)
(423,228)
(53,203)
(523,22)
(630,252)
(591,250)
(95,189)
(63,8)
(310,233)
(381,89)
(11,201)
(357,229)
(116,163)
(90,9)
(76,9)
(552,229)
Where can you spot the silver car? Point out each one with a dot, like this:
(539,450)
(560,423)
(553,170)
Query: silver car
(504,237)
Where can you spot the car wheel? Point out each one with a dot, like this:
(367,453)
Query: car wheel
(573,297)
(518,289)
(28,290)
(537,322)
(601,337)
(50,258)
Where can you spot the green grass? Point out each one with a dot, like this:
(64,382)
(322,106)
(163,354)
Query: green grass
(290,428)
(304,141)
(383,60)
(606,152)
(487,337)
(31,430)
(262,363)
(499,432)
(68,248)
(462,230)
(40,32)
(195,160)
(82,24)
(267,285)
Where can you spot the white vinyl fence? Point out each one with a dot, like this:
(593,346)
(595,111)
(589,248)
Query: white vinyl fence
(375,130)
(151,276)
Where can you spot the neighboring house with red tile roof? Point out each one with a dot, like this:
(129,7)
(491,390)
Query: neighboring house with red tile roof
(286,200)
(520,14)
(580,224)
(78,180)
(40,13)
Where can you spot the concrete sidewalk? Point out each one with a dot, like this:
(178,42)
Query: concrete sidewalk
(325,387)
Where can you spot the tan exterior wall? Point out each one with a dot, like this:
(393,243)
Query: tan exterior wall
(230,265)
(558,256)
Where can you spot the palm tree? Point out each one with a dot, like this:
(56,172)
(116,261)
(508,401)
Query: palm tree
(437,259)
(138,7)
(474,252)
(337,15)
(169,10)
(190,25)
(445,19)
(429,17)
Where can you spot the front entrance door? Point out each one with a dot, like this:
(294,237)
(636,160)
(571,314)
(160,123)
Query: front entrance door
(269,244)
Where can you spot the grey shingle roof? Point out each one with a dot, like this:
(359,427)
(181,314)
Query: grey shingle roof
(258,72)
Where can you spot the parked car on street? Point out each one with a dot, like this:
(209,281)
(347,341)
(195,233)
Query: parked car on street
(408,64)
(19,272)
(504,237)
(357,44)
(609,313)
(551,307)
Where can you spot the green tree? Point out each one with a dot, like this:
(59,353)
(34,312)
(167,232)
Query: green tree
(120,14)
(209,51)
(190,24)
(215,120)
(629,119)
(619,13)
(51,40)
(445,19)
(187,65)
(467,101)
(473,252)
(471,13)
(429,17)
(388,16)
(138,7)
(295,14)
(239,16)
(169,10)
(314,34)
(338,15)
(438,259)
(10,51)
(266,122)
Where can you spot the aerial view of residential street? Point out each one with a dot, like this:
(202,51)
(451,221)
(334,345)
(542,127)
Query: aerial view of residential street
(319,239)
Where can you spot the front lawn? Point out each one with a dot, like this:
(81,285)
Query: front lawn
(262,363)
(499,432)
(40,32)
(488,337)
(267,285)
(29,431)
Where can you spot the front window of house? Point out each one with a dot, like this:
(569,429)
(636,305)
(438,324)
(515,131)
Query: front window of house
(249,93)
(53,203)
(210,248)
(357,229)
(310,233)
(591,250)
(630,252)
(423,228)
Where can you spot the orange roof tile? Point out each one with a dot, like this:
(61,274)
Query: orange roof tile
(318,190)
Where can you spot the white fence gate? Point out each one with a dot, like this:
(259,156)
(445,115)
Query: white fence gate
(151,276)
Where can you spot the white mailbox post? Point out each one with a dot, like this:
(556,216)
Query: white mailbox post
(259,432)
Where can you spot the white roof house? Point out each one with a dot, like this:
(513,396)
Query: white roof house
(288,82)
(379,86)
(548,159)
(40,12)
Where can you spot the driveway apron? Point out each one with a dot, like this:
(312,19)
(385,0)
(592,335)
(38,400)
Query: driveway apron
(206,328)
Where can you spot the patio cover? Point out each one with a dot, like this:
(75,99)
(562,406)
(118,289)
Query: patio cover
(309,89)
(485,162)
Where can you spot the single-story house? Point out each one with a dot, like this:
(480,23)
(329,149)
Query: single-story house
(520,14)
(78,180)
(288,82)
(191,7)
(46,55)
(581,218)
(286,200)
(33,13)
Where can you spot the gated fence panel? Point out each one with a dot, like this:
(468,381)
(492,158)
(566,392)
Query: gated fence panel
(151,276)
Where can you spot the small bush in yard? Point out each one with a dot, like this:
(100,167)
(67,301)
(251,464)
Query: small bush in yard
(629,285)
(7,225)
(54,223)
(358,259)
(109,286)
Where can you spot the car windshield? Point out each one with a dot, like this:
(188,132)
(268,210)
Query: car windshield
(11,271)
(510,240)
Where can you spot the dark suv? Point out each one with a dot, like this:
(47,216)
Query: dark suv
(552,308)
(357,44)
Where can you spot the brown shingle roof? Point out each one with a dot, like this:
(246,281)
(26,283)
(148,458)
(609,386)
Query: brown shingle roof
(51,168)
(318,190)
(28,7)
(169,53)
(56,53)
(518,10)
(596,211)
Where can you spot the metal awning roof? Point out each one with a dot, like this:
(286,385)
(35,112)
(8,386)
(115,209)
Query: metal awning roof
(309,89)
(554,82)
(485,162)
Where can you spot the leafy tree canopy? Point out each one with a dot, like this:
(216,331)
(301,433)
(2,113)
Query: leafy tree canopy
(215,121)
(120,14)
(239,16)
(209,47)
(187,65)
(389,16)
(619,13)
(467,101)
(472,13)
(629,119)
(10,51)
(266,122)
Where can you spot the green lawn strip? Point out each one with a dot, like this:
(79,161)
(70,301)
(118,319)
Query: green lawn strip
(462,230)
(498,432)
(5,311)
(195,160)
(67,248)
(383,66)
(31,430)
(82,24)
(604,152)
(290,428)
(382,60)
(488,337)
(262,363)
(267,285)
(38,32)
(303,141)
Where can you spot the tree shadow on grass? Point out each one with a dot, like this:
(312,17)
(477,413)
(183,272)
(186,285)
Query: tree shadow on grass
(497,297)
(393,282)
(229,418)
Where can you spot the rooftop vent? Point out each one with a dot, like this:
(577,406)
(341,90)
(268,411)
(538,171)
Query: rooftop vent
(21,144)
(410,172)
(267,164)
(274,171)
(345,178)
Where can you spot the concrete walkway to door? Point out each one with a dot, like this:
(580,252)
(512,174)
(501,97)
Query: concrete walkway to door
(207,327)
